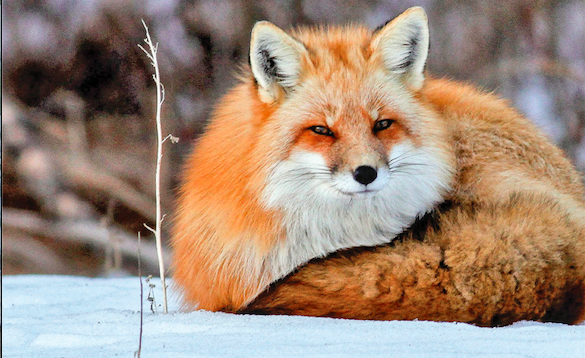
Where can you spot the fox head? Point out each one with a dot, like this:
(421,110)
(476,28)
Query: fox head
(361,158)
(328,145)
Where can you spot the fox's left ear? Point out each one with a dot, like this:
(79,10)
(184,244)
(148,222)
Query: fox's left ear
(403,45)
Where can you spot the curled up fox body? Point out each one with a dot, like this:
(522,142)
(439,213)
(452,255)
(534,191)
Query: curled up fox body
(338,180)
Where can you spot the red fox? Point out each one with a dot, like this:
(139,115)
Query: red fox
(338,179)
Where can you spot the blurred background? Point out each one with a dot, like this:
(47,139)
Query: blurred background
(78,102)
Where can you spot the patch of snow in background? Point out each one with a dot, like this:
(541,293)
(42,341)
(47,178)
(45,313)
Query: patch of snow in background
(62,316)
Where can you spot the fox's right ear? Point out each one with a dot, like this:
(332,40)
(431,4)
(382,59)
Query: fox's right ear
(403,44)
(276,60)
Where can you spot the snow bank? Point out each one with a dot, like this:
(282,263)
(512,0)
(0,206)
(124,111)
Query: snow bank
(60,316)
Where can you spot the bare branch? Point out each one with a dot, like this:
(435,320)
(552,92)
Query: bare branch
(76,231)
(146,52)
(159,100)
(149,228)
(172,138)
(83,174)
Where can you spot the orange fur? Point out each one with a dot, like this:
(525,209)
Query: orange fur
(214,214)
(501,248)
(507,243)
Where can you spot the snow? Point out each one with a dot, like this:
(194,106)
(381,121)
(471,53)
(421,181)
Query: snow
(62,316)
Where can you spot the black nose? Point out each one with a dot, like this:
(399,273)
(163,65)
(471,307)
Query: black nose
(365,174)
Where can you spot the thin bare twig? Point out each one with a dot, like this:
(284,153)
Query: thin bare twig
(159,101)
(172,138)
(137,353)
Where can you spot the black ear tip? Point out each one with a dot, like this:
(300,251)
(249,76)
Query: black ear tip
(379,28)
(413,10)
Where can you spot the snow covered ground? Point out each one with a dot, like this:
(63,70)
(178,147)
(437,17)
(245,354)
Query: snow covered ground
(60,316)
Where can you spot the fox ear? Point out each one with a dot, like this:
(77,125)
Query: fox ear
(403,44)
(276,60)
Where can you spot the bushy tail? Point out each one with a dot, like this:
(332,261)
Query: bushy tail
(488,264)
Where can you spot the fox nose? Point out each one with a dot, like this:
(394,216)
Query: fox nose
(365,174)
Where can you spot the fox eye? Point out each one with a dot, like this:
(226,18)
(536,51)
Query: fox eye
(322,130)
(383,124)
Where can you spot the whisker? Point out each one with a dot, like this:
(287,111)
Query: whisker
(407,164)
(401,156)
